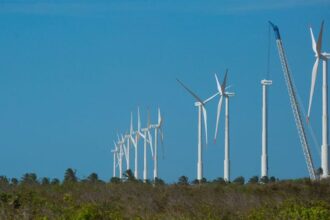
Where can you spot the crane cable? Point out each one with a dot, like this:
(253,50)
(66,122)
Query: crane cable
(268,54)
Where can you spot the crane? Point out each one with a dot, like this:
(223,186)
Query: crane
(294,103)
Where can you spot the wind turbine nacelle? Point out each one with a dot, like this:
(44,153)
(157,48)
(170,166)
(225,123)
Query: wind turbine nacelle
(230,94)
(266,82)
(198,104)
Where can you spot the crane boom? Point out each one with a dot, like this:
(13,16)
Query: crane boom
(294,103)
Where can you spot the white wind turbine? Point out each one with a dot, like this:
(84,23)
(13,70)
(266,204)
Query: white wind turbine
(129,138)
(115,156)
(222,91)
(147,138)
(121,144)
(317,47)
(200,104)
(158,131)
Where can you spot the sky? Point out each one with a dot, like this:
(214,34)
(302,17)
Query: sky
(71,73)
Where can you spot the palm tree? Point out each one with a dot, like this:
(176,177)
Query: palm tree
(93,177)
(70,176)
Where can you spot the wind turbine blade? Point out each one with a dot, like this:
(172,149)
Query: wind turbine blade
(139,120)
(319,40)
(131,125)
(218,117)
(209,99)
(191,92)
(224,82)
(313,41)
(125,151)
(218,84)
(205,122)
(143,136)
(133,141)
(159,118)
(314,74)
(162,141)
(150,143)
(149,120)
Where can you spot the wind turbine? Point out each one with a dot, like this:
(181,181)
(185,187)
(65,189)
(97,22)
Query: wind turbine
(158,131)
(147,138)
(115,155)
(129,138)
(264,154)
(200,104)
(317,47)
(121,144)
(223,93)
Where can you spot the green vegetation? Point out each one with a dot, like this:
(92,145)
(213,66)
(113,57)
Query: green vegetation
(92,198)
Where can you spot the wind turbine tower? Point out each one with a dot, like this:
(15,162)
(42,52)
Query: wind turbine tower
(158,131)
(317,47)
(223,93)
(226,160)
(115,154)
(264,138)
(147,138)
(200,104)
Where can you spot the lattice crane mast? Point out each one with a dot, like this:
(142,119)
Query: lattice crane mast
(294,103)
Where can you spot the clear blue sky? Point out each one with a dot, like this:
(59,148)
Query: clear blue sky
(72,71)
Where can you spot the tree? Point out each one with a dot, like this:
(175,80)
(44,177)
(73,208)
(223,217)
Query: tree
(254,179)
(45,181)
(183,180)
(115,180)
(319,171)
(14,181)
(219,180)
(4,180)
(70,176)
(272,179)
(239,180)
(129,176)
(29,178)
(55,181)
(264,179)
(93,177)
(159,181)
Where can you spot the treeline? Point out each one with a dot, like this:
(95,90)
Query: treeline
(92,198)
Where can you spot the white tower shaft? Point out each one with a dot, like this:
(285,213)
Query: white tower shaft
(127,154)
(199,160)
(156,155)
(114,164)
(324,150)
(226,160)
(121,162)
(264,154)
(136,161)
(145,165)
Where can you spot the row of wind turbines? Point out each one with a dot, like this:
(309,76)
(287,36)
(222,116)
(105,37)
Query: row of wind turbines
(122,146)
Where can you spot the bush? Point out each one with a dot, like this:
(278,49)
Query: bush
(254,179)
(183,180)
(239,180)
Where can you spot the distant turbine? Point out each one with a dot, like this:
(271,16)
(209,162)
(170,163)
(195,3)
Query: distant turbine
(129,138)
(264,154)
(221,89)
(158,131)
(147,139)
(323,56)
(121,145)
(115,155)
(200,104)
